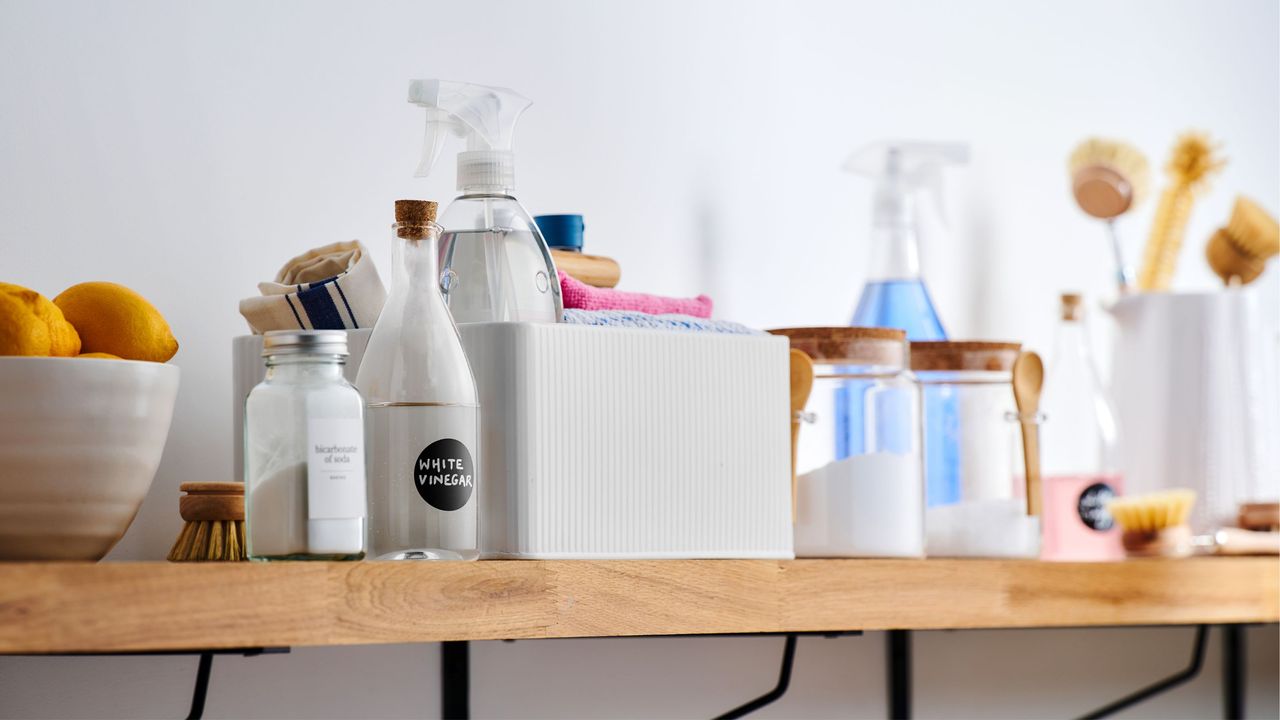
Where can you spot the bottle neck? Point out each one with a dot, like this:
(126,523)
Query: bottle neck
(895,244)
(895,253)
(304,368)
(416,258)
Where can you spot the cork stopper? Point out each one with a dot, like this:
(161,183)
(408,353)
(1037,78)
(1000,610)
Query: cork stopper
(1072,306)
(852,345)
(974,355)
(414,218)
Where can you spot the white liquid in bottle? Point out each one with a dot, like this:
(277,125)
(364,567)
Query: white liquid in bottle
(422,411)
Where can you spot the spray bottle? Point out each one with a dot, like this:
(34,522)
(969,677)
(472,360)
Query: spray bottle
(895,295)
(495,265)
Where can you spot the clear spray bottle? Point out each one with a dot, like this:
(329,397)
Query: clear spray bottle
(494,262)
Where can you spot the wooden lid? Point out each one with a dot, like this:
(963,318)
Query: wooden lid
(210,501)
(854,345)
(964,355)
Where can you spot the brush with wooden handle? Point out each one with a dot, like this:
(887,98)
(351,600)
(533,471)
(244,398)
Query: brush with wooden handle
(1155,525)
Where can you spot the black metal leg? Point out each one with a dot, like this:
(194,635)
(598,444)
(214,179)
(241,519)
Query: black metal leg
(455,680)
(784,680)
(898,668)
(1233,671)
(1192,670)
(202,686)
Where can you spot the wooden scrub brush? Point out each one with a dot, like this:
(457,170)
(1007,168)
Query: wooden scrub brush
(1108,179)
(1238,253)
(214,529)
(1155,525)
(1194,159)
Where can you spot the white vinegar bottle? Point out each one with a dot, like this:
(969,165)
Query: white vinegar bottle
(423,411)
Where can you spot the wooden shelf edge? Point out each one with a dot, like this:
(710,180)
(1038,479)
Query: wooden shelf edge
(127,607)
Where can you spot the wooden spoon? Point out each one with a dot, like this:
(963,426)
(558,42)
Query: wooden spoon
(1028,378)
(801,386)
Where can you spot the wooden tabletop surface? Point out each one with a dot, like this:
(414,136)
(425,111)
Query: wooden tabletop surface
(110,607)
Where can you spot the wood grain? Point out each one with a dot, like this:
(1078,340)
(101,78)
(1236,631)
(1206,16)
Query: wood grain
(108,607)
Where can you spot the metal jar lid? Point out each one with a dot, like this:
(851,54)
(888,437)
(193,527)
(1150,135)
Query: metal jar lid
(972,355)
(884,347)
(304,342)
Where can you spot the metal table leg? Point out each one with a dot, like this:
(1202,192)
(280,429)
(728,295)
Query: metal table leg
(1234,664)
(455,680)
(898,671)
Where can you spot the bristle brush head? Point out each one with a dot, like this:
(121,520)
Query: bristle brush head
(1195,157)
(1108,177)
(1153,511)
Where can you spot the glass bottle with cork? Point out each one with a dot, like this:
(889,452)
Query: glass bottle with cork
(423,409)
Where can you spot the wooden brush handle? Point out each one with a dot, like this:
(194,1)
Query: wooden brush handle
(594,270)
(1234,541)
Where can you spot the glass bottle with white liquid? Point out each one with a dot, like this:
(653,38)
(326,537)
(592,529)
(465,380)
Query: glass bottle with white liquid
(423,409)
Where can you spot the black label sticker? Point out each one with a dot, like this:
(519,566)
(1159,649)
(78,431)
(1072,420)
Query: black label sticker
(1092,507)
(444,474)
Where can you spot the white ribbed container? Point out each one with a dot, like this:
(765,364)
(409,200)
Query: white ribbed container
(632,443)
(621,443)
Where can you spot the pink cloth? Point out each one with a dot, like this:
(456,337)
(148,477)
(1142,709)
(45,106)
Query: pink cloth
(579,295)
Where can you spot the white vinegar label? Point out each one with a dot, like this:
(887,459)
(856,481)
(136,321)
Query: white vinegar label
(335,469)
(424,477)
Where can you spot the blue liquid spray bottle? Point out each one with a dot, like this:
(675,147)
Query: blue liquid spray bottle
(895,294)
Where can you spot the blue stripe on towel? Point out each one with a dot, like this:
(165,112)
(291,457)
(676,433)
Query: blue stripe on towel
(338,286)
(296,316)
(320,309)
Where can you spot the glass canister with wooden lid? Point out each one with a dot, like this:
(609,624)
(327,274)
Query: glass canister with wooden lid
(974,469)
(860,490)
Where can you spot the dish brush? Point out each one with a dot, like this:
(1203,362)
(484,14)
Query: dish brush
(214,529)
(1108,179)
(1238,253)
(1195,158)
(1155,525)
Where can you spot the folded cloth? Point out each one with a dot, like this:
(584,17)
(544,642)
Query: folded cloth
(335,287)
(628,318)
(578,295)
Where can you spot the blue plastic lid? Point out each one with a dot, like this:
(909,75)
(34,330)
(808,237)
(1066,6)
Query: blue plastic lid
(562,232)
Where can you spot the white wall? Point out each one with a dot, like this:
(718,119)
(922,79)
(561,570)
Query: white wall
(186,150)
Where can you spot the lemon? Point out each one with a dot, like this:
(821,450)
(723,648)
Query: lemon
(31,325)
(99,355)
(115,320)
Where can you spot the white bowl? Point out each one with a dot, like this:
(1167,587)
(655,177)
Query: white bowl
(80,440)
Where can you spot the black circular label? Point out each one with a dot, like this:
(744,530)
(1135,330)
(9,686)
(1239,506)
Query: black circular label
(1092,507)
(445,474)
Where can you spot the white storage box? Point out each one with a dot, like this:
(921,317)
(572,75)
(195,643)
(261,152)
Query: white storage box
(624,443)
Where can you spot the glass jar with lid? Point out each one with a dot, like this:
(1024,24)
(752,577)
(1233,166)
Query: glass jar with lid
(304,452)
(860,489)
(974,472)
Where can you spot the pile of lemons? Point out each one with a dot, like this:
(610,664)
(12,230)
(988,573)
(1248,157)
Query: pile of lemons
(89,320)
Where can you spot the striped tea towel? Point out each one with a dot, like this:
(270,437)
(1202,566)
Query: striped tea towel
(335,287)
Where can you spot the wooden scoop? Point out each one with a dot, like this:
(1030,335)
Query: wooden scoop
(1028,378)
(801,386)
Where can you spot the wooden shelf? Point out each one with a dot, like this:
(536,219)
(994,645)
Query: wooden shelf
(111,607)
